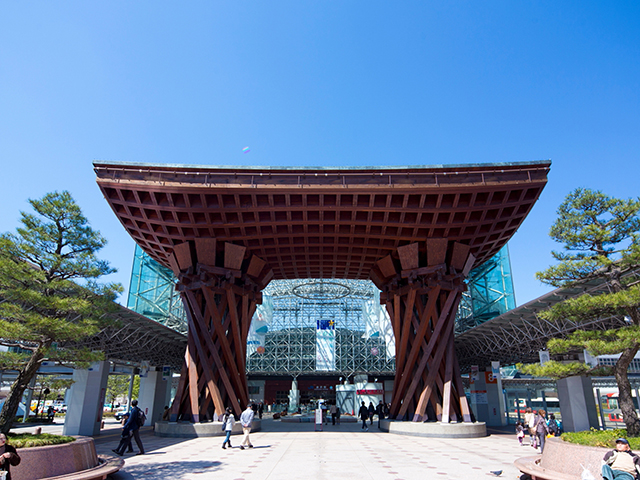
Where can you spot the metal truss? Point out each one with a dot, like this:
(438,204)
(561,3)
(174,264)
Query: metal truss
(137,338)
(290,344)
(518,335)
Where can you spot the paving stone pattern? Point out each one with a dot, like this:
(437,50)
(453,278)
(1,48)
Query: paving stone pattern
(296,451)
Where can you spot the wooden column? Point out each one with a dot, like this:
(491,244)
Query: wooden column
(219,302)
(422,285)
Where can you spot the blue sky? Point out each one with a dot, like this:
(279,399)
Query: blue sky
(348,83)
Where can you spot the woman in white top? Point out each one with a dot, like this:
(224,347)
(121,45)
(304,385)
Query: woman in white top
(529,422)
(228,421)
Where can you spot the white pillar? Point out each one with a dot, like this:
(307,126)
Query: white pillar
(86,400)
(487,399)
(153,394)
(27,401)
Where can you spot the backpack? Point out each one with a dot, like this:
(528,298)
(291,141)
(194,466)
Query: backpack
(224,422)
(141,418)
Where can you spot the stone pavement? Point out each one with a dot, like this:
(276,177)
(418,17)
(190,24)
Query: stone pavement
(296,451)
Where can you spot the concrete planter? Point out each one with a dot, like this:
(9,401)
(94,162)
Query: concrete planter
(435,429)
(76,460)
(563,461)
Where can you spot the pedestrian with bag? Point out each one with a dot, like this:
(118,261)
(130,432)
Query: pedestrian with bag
(125,438)
(542,430)
(529,422)
(554,428)
(228,421)
(136,420)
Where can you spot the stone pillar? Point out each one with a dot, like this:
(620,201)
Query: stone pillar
(86,400)
(577,404)
(153,394)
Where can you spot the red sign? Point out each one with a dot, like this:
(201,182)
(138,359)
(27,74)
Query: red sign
(370,392)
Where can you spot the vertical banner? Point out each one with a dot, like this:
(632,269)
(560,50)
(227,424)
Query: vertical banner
(166,373)
(326,345)
(544,356)
(474,375)
(144,368)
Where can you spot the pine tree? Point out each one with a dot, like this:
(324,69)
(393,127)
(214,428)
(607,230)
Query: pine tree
(601,241)
(49,295)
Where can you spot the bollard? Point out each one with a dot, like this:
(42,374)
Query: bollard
(37,431)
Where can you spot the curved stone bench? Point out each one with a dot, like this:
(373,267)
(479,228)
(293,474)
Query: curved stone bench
(70,461)
(562,461)
(435,429)
(190,430)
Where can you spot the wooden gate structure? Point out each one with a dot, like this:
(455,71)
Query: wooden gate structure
(416,232)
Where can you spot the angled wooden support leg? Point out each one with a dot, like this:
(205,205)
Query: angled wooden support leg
(219,314)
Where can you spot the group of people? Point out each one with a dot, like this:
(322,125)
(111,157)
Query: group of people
(538,427)
(246,420)
(367,413)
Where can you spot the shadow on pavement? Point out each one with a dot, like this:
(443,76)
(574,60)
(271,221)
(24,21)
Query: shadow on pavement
(166,470)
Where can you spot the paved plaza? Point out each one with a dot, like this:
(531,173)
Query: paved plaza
(296,451)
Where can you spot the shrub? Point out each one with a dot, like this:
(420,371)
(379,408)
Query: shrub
(601,438)
(26,440)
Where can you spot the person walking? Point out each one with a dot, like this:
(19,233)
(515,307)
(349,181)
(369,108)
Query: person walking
(246,420)
(380,412)
(520,433)
(228,422)
(338,414)
(372,411)
(333,410)
(260,410)
(541,428)
(8,456)
(364,416)
(125,438)
(529,422)
(133,424)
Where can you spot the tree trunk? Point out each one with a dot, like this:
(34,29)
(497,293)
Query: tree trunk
(625,398)
(12,402)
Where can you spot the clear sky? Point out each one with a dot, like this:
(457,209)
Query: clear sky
(324,83)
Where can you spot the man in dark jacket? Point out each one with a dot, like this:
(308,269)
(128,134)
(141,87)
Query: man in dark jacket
(621,463)
(125,438)
(380,412)
(133,425)
(8,456)
(364,416)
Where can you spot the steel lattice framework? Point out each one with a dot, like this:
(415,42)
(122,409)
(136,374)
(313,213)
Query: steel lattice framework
(135,338)
(290,345)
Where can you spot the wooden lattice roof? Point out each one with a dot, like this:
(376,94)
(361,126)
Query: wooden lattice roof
(321,222)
